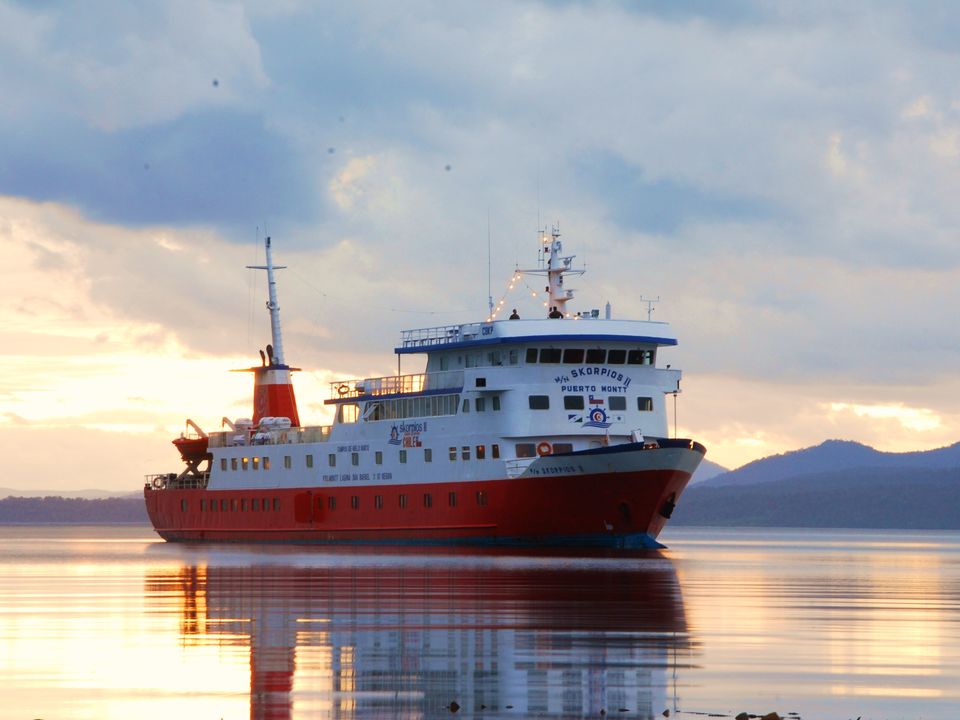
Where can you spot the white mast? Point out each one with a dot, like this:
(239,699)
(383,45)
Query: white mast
(273,306)
(557,265)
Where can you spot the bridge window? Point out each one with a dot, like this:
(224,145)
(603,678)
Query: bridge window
(539,402)
(596,356)
(466,405)
(513,357)
(616,357)
(526,450)
(573,402)
(573,356)
(617,402)
(531,355)
(550,355)
(645,404)
(495,403)
(481,404)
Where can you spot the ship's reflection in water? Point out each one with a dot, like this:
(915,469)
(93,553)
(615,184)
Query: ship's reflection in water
(403,633)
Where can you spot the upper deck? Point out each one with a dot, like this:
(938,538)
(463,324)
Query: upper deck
(501,332)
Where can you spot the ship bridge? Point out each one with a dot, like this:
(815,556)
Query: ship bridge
(582,328)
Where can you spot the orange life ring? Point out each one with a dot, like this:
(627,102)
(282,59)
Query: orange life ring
(343,389)
(544,448)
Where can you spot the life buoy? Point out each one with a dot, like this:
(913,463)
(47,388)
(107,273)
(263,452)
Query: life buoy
(343,389)
(544,448)
(159,483)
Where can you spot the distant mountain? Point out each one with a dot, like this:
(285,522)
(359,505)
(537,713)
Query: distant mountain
(89,494)
(831,456)
(66,511)
(706,471)
(894,497)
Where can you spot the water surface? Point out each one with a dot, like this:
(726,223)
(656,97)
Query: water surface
(106,622)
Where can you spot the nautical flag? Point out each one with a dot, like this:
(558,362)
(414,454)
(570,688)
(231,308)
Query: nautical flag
(596,401)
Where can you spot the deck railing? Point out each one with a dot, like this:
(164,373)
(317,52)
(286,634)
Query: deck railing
(253,436)
(444,335)
(397,384)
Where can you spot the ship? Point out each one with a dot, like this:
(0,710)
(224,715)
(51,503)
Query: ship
(549,431)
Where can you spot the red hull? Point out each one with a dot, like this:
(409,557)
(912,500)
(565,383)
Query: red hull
(610,509)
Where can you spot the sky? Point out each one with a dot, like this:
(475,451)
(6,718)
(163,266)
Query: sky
(783,177)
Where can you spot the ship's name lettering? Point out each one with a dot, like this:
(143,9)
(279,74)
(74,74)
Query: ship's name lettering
(353,448)
(578,388)
(595,371)
(554,470)
(412,427)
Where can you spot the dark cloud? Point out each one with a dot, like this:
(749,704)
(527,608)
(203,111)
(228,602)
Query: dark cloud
(214,168)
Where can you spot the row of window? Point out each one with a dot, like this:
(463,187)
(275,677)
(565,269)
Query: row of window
(576,402)
(265,504)
(255,463)
(590,356)
(400,408)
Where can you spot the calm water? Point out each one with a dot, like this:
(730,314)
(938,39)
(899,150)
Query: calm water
(110,623)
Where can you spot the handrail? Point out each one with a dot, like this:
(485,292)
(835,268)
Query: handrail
(397,384)
(443,335)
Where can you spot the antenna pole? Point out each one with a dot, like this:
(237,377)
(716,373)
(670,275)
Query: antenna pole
(272,305)
(489,281)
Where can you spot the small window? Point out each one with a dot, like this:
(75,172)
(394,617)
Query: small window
(223,464)
(481,452)
(616,357)
(513,357)
(266,463)
(495,451)
(573,356)
(243,505)
(525,450)
(213,506)
(233,504)
(332,459)
(427,455)
(224,505)
(402,500)
(309,461)
(481,497)
(481,404)
(355,502)
(550,355)
(233,463)
(466,406)
(465,452)
(596,356)
(617,402)
(531,355)
(378,457)
(256,463)
(276,504)
(287,462)
(452,499)
(453,453)
(378,502)
(255,504)
(427,500)
(331,503)
(183,504)
(203,505)
(539,402)
(266,504)
(562,448)
(495,403)
(403,456)
(482,382)
(635,357)
(645,404)
(573,402)
(245,463)
(355,458)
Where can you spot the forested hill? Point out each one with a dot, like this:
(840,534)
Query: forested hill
(60,510)
(878,498)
